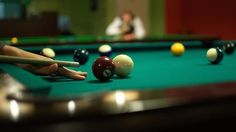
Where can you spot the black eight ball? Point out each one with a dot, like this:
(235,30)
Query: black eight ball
(81,56)
(228,48)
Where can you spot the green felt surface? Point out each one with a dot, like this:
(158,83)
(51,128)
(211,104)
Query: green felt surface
(154,69)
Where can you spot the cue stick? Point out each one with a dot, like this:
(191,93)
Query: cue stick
(33,61)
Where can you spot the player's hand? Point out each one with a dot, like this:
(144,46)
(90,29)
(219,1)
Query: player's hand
(77,75)
(55,70)
(129,37)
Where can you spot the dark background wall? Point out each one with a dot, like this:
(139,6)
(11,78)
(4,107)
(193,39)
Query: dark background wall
(210,17)
(161,17)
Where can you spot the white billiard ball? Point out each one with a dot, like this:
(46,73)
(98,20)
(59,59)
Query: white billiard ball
(48,52)
(123,65)
(105,50)
(214,55)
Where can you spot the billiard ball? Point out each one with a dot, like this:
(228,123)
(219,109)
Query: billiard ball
(48,52)
(103,68)
(81,56)
(123,65)
(228,48)
(105,50)
(177,49)
(14,40)
(215,55)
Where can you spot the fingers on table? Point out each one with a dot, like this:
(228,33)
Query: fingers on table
(76,75)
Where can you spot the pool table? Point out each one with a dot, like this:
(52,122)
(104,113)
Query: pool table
(163,92)
(91,39)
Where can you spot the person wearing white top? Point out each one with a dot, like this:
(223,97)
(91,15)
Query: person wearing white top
(128,26)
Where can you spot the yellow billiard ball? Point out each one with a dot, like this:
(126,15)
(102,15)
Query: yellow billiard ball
(177,49)
(14,40)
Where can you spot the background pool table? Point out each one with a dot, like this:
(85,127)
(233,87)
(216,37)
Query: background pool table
(73,39)
(164,92)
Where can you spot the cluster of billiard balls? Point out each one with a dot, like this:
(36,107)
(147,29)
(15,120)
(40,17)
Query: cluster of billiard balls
(103,67)
(216,55)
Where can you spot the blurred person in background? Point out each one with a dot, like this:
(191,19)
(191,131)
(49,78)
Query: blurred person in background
(127,26)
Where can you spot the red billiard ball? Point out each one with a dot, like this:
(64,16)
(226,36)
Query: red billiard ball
(103,68)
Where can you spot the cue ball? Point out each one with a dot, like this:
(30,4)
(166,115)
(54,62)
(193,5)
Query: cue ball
(228,48)
(81,56)
(48,52)
(123,65)
(215,55)
(103,68)
(105,50)
(177,49)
